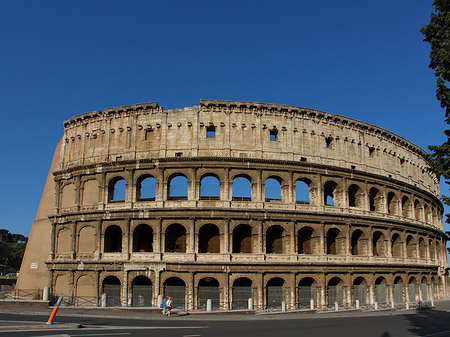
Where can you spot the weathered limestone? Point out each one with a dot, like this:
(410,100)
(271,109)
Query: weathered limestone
(230,201)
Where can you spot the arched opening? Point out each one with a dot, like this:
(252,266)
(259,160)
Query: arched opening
(178,187)
(175,288)
(379,244)
(355,196)
(432,250)
(272,189)
(412,290)
(242,239)
(374,200)
(417,210)
(328,192)
(209,188)
(111,287)
(406,207)
(360,290)
(411,251)
(208,288)
(359,243)
(242,188)
(141,292)
(242,291)
(422,248)
(424,289)
(116,189)
(380,290)
(302,191)
(397,250)
(307,291)
(335,292)
(209,239)
(275,293)
(392,203)
(274,240)
(146,188)
(398,290)
(334,242)
(175,239)
(143,238)
(304,244)
(113,239)
(427,213)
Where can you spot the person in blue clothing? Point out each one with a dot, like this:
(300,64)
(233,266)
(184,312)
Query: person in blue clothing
(164,305)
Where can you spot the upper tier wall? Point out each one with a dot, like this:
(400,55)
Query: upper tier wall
(245,130)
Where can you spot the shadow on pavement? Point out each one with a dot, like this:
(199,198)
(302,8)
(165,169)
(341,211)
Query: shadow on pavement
(428,322)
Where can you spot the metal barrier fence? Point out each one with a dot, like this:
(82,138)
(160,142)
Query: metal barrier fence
(21,294)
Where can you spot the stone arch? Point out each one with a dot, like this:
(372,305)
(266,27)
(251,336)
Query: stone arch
(306,243)
(87,240)
(275,292)
(396,245)
(113,239)
(427,212)
(359,243)
(64,241)
(111,287)
(177,187)
(143,238)
(175,238)
(418,210)
(272,188)
(209,239)
(411,251)
(380,290)
(117,189)
(406,207)
(432,250)
(142,292)
(85,289)
(335,242)
(398,290)
(146,188)
(242,239)
(68,196)
(274,240)
(175,287)
(242,291)
(302,191)
(424,289)
(360,290)
(307,291)
(422,248)
(355,196)
(242,188)
(375,200)
(90,192)
(209,187)
(208,288)
(335,291)
(379,244)
(63,286)
(412,289)
(392,203)
(329,193)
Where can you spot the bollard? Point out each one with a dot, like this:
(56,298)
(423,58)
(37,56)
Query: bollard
(283,306)
(407,305)
(432,303)
(55,310)
(104,298)
(392,304)
(357,304)
(159,301)
(250,303)
(46,293)
(376,305)
(208,305)
(336,306)
(311,304)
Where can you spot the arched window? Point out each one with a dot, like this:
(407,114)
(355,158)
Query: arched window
(411,247)
(242,291)
(209,188)
(143,238)
(141,289)
(335,292)
(397,250)
(398,290)
(360,290)
(305,240)
(209,239)
(424,289)
(242,188)
(302,191)
(418,210)
(354,196)
(375,200)
(412,289)
(146,188)
(406,207)
(113,239)
(307,291)
(175,288)
(359,243)
(392,203)
(242,239)
(334,242)
(380,290)
(116,189)
(175,239)
(275,292)
(208,288)
(111,287)
(272,189)
(427,213)
(379,244)
(328,193)
(422,248)
(432,250)
(274,240)
(178,187)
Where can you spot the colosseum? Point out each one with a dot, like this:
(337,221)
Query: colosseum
(236,205)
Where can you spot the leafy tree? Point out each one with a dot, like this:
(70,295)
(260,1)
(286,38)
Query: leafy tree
(12,248)
(437,34)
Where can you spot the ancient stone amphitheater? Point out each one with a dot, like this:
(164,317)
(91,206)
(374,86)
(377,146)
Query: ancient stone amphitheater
(230,201)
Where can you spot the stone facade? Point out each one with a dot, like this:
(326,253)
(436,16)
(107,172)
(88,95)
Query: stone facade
(236,200)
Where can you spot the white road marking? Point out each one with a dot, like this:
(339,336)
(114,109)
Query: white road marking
(437,334)
(106,334)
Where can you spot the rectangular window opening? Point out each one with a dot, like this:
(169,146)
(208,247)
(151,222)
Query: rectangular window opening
(273,135)
(178,154)
(210,132)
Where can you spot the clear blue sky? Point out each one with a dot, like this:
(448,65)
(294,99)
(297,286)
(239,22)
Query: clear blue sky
(362,59)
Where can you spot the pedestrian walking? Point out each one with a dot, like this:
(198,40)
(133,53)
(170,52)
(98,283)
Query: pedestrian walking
(164,305)
(169,305)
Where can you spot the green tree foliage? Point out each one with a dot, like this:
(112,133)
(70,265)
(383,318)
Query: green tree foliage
(12,247)
(437,34)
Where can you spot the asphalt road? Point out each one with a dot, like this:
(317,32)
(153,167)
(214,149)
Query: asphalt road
(426,323)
